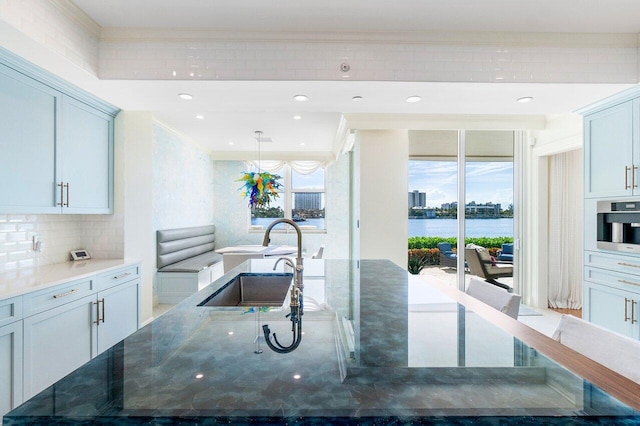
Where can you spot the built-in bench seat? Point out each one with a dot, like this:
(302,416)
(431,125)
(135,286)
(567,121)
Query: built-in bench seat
(186,262)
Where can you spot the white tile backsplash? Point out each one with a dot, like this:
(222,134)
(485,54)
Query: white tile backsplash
(101,235)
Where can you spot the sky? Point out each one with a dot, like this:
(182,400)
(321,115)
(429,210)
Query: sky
(486,181)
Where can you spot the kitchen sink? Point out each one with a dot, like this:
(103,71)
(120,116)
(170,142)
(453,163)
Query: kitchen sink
(252,289)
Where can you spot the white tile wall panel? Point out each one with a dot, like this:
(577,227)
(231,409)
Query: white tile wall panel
(285,60)
(102,235)
(56,29)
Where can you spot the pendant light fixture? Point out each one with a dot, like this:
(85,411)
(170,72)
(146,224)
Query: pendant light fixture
(261,188)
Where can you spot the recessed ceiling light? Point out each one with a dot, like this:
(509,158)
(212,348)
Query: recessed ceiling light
(200,117)
(301,143)
(230,143)
(412,99)
(297,117)
(356,98)
(300,98)
(185,96)
(525,99)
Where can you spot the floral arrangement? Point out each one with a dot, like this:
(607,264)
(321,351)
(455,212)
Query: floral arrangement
(260,188)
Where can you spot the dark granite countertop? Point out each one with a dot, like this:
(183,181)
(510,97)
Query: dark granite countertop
(379,347)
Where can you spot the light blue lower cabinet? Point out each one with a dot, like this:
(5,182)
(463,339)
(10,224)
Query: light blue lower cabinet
(63,327)
(56,342)
(119,313)
(10,366)
(612,308)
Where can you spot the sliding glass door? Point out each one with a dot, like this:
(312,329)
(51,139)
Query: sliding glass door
(461,206)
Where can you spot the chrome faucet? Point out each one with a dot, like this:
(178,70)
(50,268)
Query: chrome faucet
(296,304)
(299,266)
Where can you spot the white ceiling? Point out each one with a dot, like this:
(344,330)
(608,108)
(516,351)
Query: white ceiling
(594,16)
(234,110)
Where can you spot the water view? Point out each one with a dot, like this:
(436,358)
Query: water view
(502,227)
(317,223)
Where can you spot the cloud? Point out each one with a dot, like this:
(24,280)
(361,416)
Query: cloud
(486,181)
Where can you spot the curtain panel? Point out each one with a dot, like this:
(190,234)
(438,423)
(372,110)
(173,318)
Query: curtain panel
(304,167)
(565,230)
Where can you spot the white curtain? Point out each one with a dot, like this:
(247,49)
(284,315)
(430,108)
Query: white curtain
(302,166)
(565,230)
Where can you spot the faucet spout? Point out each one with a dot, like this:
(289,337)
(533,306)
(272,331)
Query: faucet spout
(296,293)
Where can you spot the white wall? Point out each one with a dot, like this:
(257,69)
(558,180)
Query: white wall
(231,215)
(163,181)
(182,181)
(384,157)
(133,189)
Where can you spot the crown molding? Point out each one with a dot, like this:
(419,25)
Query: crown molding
(77,15)
(159,35)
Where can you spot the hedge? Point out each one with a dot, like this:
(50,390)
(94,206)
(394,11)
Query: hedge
(423,251)
(432,242)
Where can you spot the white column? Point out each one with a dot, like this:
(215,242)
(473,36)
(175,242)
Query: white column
(384,157)
(133,195)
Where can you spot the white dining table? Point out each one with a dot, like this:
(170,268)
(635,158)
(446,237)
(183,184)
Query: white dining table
(271,250)
(234,255)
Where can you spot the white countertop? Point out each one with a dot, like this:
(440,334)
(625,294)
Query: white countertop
(22,281)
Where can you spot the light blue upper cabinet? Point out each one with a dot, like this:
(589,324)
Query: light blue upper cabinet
(56,144)
(609,150)
(28,124)
(86,154)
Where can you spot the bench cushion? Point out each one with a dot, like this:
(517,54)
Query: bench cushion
(177,245)
(194,264)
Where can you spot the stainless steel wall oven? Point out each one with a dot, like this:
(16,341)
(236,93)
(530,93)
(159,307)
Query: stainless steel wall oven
(619,226)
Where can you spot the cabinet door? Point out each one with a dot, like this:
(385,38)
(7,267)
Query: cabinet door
(28,124)
(10,366)
(87,158)
(119,313)
(56,342)
(611,308)
(608,152)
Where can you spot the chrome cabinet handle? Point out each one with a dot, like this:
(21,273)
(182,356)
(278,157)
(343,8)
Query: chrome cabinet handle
(628,264)
(126,274)
(66,293)
(633,177)
(633,314)
(626,318)
(628,282)
(67,203)
(97,321)
(626,177)
(61,203)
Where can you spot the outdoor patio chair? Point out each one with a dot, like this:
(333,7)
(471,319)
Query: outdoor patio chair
(496,297)
(447,257)
(615,351)
(505,254)
(481,265)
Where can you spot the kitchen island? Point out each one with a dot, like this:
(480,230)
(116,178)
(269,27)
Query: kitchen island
(379,347)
